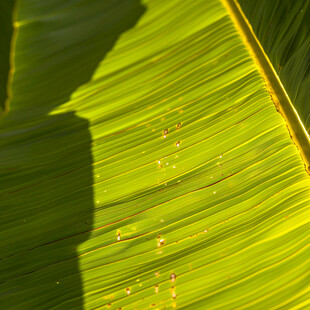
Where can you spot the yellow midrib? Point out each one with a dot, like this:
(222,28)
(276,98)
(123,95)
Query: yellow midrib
(274,86)
(6,107)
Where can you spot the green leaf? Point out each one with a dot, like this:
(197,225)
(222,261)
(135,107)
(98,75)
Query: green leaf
(283,29)
(145,165)
(6,10)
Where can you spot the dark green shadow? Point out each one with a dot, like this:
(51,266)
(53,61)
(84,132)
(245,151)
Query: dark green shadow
(46,173)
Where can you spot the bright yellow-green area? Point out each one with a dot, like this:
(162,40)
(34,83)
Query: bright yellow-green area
(141,142)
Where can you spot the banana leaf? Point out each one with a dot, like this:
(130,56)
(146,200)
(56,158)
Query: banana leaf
(283,28)
(150,158)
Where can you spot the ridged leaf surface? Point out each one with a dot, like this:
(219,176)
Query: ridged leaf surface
(144,164)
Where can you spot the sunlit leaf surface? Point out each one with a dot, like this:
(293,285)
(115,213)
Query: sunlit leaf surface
(144,165)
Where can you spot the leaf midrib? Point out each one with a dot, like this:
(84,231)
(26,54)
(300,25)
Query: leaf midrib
(273,84)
